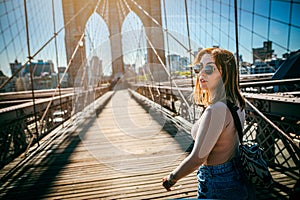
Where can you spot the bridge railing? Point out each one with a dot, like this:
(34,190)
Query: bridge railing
(279,137)
(21,127)
(281,147)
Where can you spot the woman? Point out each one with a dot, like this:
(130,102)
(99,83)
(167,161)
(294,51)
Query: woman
(215,151)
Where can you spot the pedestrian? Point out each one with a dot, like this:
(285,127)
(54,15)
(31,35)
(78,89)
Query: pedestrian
(215,151)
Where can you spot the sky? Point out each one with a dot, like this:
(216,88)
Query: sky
(210,23)
(209,19)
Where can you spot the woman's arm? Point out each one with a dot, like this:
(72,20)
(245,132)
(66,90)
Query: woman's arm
(210,128)
(187,166)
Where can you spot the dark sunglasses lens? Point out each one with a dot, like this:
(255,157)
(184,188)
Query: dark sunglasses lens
(208,69)
(196,69)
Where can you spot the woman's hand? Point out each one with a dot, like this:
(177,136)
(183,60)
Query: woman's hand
(168,182)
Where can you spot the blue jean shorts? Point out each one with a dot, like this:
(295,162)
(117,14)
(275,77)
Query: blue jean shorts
(221,182)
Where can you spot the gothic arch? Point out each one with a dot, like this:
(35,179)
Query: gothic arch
(109,11)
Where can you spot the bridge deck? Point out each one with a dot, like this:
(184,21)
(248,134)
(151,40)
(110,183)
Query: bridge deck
(122,153)
(107,156)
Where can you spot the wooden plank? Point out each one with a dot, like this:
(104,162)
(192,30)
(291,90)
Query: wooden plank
(122,153)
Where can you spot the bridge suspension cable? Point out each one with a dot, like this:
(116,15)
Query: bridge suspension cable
(39,50)
(31,73)
(160,26)
(56,56)
(190,47)
(58,86)
(159,58)
(168,51)
(150,72)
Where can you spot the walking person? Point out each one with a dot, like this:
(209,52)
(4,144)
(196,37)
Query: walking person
(215,151)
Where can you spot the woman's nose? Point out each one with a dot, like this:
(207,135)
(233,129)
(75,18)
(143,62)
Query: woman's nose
(201,72)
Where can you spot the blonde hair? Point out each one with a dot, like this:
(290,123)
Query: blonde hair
(228,88)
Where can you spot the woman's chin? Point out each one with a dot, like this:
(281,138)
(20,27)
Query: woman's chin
(203,86)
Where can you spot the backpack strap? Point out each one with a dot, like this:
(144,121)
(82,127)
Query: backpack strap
(237,122)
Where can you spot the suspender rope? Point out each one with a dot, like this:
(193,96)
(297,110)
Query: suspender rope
(31,78)
(190,50)
(160,60)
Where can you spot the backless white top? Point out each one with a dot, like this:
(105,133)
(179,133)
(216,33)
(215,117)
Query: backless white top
(215,134)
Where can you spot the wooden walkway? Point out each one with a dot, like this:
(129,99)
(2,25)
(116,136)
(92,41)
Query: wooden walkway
(114,150)
(122,153)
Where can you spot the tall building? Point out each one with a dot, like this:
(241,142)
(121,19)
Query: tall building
(263,53)
(96,70)
(96,66)
(184,62)
(40,68)
(14,67)
(174,62)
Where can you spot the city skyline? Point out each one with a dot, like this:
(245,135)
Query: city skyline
(211,23)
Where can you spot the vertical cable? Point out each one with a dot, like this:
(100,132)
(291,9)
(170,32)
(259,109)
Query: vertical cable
(269,19)
(200,23)
(168,61)
(206,22)
(190,50)
(220,22)
(290,22)
(31,70)
(189,39)
(56,55)
(228,31)
(212,22)
(269,25)
(252,32)
(237,39)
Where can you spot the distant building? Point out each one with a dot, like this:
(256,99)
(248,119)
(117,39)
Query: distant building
(140,71)
(184,62)
(96,66)
(145,72)
(263,53)
(260,67)
(40,68)
(63,76)
(245,68)
(16,66)
(43,73)
(7,87)
(275,63)
(174,61)
(96,70)
(270,66)
(129,71)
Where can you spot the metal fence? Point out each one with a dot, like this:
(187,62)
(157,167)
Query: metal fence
(279,136)
(23,125)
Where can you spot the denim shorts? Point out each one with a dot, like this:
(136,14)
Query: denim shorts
(221,182)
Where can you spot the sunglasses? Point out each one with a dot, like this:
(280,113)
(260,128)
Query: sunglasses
(208,69)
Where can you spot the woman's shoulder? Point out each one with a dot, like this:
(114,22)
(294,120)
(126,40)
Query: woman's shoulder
(217,105)
(219,108)
(222,105)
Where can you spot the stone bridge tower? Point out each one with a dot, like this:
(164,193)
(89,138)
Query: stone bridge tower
(110,12)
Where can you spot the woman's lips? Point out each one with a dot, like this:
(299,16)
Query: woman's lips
(202,80)
(203,83)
